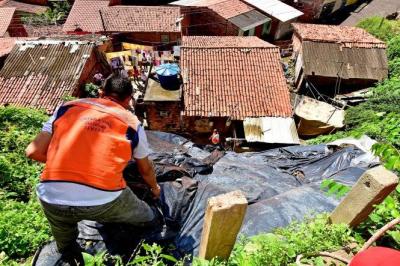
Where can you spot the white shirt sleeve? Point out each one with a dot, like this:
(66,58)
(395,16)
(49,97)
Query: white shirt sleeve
(142,149)
(48,125)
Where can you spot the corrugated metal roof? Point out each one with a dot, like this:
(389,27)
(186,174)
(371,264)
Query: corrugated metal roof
(332,59)
(40,73)
(249,20)
(276,9)
(271,130)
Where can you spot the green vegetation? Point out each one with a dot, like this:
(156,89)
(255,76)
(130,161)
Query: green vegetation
(380,27)
(18,174)
(23,227)
(56,14)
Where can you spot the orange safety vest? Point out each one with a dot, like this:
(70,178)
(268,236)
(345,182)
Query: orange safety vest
(90,144)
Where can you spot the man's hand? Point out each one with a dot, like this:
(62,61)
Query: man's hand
(145,168)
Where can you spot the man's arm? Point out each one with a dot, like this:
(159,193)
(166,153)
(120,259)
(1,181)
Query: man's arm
(37,149)
(146,169)
(144,164)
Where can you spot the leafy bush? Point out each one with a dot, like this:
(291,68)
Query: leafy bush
(18,174)
(23,228)
(394,67)
(393,49)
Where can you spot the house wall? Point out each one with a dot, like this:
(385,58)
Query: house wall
(196,125)
(203,21)
(283,29)
(148,38)
(310,8)
(296,43)
(16,28)
(170,121)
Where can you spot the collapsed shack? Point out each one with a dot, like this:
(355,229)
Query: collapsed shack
(281,185)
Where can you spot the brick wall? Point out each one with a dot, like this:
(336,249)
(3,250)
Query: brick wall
(163,116)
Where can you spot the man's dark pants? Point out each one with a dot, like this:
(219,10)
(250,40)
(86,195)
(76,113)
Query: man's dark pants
(127,208)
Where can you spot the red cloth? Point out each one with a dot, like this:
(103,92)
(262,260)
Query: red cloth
(377,256)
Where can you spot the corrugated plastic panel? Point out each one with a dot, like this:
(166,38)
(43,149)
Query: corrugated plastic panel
(271,130)
(276,9)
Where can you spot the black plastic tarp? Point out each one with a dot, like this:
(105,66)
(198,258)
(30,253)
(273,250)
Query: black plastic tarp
(281,185)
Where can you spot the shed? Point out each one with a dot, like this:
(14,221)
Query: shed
(337,59)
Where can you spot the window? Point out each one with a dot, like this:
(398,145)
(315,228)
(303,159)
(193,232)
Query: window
(266,28)
(164,113)
(164,38)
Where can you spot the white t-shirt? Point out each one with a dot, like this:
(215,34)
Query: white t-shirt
(72,194)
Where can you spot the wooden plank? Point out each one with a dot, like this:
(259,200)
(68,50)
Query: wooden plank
(223,219)
(371,189)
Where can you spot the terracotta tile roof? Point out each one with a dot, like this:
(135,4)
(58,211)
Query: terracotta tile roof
(230,8)
(348,36)
(233,77)
(6,15)
(225,8)
(7,43)
(224,42)
(24,7)
(41,75)
(85,14)
(141,18)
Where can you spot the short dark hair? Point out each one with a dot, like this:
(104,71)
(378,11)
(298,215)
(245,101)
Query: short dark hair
(118,87)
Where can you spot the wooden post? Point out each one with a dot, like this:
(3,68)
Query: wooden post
(223,219)
(371,189)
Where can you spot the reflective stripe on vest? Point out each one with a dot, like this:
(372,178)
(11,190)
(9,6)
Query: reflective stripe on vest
(89,145)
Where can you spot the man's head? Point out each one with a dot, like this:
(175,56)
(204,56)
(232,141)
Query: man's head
(118,88)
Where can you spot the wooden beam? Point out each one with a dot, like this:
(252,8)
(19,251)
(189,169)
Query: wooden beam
(223,219)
